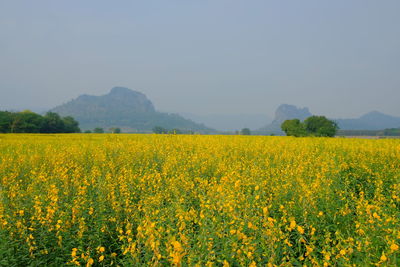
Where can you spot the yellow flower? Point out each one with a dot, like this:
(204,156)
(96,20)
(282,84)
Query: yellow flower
(383,257)
(177,246)
(394,247)
(292,225)
(300,229)
(73,253)
(101,258)
(265,210)
(89,262)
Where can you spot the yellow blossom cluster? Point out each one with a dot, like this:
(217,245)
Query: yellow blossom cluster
(191,200)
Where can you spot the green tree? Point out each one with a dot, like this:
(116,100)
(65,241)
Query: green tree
(175,131)
(31,122)
(312,126)
(98,130)
(70,125)
(392,132)
(245,131)
(115,130)
(320,126)
(159,130)
(52,123)
(88,131)
(6,119)
(26,122)
(294,128)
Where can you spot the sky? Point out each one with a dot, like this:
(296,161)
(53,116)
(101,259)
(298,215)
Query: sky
(339,58)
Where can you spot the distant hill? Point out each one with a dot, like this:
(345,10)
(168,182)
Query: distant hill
(229,122)
(371,121)
(129,110)
(284,112)
(374,120)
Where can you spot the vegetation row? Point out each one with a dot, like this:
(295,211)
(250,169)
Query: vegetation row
(30,122)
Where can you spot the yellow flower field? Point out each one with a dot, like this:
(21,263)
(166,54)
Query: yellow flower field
(185,200)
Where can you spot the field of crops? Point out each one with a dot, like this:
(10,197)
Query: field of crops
(184,200)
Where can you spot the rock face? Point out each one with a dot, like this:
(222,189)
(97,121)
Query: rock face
(124,108)
(288,112)
(120,97)
(282,113)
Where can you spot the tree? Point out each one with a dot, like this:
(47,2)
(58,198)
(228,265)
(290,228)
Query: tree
(52,123)
(293,128)
(159,130)
(175,131)
(312,126)
(26,122)
(392,132)
(70,125)
(115,130)
(30,122)
(88,131)
(320,126)
(6,119)
(98,130)
(245,131)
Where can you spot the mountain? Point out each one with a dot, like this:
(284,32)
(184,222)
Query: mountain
(229,122)
(374,120)
(129,110)
(284,112)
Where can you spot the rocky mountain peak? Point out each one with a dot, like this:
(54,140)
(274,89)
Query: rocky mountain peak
(287,112)
(125,108)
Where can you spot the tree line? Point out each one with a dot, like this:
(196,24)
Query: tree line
(101,130)
(312,126)
(385,132)
(31,122)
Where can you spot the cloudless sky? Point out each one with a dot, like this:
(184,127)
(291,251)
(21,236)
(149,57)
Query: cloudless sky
(339,58)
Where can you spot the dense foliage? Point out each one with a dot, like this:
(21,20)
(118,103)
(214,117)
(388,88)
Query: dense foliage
(159,200)
(294,128)
(312,126)
(30,122)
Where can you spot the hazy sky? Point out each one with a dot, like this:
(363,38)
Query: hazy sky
(339,58)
